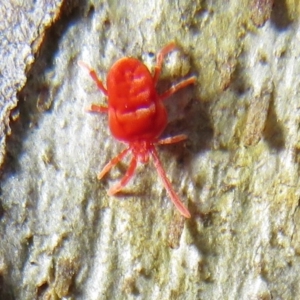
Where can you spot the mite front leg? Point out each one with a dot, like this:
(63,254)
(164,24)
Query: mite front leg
(159,60)
(172,140)
(180,85)
(97,108)
(94,76)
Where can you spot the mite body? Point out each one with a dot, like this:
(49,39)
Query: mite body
(137,116)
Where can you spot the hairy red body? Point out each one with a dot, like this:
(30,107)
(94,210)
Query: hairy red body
(137,116)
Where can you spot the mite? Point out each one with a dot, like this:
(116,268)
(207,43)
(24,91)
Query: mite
(137,116)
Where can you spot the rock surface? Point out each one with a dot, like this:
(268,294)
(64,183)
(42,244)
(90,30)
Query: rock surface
(63,237)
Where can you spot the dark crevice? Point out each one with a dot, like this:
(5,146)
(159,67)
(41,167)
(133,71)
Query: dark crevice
(280,17)
(29,114)
(273,132)
(37,86)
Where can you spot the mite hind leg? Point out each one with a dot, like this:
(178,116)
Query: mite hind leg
(128,175)
(167,184)
(112,163)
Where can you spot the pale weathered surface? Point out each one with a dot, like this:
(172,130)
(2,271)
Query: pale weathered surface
(238,173)
(22,25)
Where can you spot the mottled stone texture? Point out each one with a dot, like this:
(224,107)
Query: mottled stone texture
(22,27)
(62,236)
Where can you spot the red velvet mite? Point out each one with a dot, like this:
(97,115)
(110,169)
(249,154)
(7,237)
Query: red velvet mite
(137,116)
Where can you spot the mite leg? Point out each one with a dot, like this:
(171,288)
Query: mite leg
(128,175)
(159,59)
(173,89)
(112,163)
(94,76)
(162,174)
(97,108)
(173,139)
